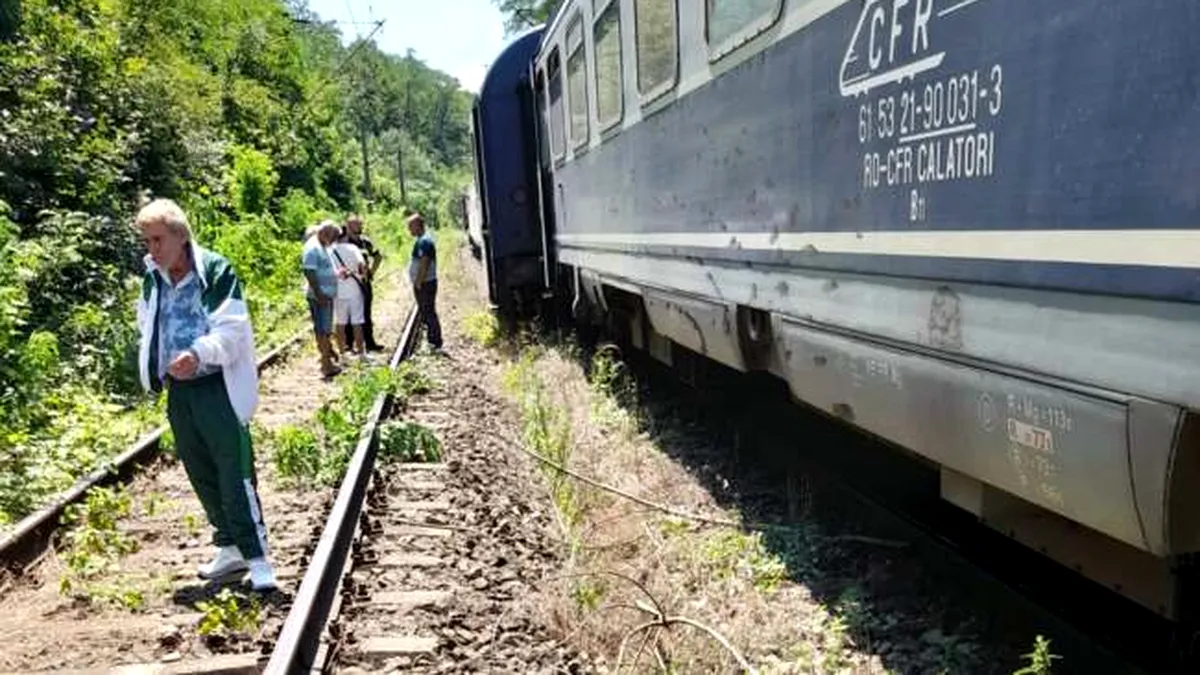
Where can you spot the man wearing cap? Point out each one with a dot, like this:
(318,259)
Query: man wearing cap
(422,273)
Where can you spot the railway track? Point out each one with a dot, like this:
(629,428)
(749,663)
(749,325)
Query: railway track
(29,538)
(302,638)
(147,609)
(424,566)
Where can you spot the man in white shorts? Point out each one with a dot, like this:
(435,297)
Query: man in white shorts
(348,307)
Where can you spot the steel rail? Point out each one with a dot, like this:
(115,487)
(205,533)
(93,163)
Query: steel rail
(300,639)
(32,534)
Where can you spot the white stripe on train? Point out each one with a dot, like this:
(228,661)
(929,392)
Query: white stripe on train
(1153,248)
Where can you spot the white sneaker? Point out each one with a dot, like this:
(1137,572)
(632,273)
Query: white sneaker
(228,559)
(262,577)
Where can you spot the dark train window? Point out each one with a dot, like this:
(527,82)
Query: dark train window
(657,45)
(730,19)
(577,83)
(558,145)
(606,37)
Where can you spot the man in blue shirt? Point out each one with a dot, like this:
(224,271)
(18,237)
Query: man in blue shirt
(322,289)
(422,273)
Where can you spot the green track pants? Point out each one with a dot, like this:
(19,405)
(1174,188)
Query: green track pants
(216,453)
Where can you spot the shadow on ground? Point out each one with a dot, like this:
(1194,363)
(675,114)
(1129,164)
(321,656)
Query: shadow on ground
(193,594)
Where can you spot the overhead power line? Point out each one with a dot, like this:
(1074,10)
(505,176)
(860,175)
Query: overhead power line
(352,19)
(345,60)
(310,22)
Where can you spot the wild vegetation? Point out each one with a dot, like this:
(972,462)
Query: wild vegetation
(229,613)
(251,114)
(659,578)
(316,452)
(408,442)
(94,547)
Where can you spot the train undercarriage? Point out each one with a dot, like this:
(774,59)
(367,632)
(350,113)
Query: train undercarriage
(690,334)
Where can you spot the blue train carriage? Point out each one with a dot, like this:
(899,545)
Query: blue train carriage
(966,226)
(508,223)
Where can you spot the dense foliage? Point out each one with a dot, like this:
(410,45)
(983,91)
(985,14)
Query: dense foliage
(251,114)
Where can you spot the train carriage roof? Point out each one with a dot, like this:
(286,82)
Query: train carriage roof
(512,63)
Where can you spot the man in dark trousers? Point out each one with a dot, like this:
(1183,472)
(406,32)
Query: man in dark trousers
(373,256)
(422,272)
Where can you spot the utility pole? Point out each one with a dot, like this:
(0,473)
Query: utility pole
(408,59)
(366,156)
(443,114)
(400,171)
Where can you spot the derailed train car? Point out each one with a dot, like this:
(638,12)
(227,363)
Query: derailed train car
(507,222)
(966,226)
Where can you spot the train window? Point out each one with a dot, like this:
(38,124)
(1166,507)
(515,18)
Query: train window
(558,146)
(731,22)
(606,37)
(577,83)
(657,52)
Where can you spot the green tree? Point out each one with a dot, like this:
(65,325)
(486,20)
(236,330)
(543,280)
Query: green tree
(251,113)
(522,14)
(252,180)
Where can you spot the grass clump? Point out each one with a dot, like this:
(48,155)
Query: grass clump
(316,453)
(546,428)
(297,452)
(408,442)
(229,613)
(733,554)
(156,502)
(587,593)
(612,389)
(482,327)
(409,380)
(118,594)
(193,524)
(94,545)
(1040,659)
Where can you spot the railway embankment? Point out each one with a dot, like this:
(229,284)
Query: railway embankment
(691,541)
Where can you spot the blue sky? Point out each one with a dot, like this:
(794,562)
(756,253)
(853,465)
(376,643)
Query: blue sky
(459,37)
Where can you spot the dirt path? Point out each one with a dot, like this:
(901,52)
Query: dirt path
(43,629)
(462,545)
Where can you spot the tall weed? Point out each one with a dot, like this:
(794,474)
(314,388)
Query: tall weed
(546,428)
(318,454)
(95,544)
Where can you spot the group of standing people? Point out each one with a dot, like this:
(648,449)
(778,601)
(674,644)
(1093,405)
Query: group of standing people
(339,265)
(197,345)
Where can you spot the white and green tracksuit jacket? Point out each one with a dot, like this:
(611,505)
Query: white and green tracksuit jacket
(230,341)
